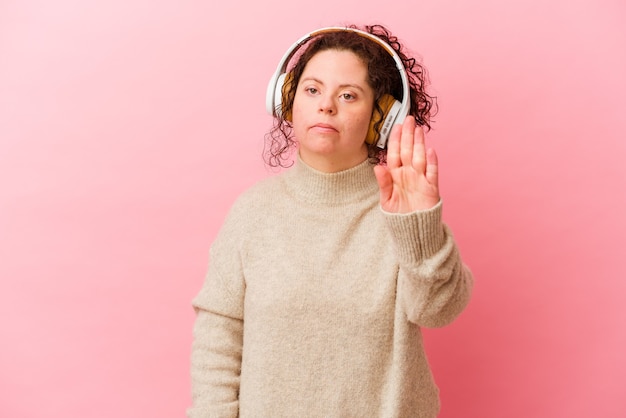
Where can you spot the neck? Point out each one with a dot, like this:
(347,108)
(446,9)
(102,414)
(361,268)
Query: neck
(355,184)
(333,164)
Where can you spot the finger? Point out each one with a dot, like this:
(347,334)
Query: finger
(432,167)
(406,141)
(385,183)
(393,147)
(419,150)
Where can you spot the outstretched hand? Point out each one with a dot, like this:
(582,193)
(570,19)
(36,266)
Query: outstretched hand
(409,181)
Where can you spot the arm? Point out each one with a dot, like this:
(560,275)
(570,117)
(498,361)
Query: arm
(215,366)
(433,282)
(218,337)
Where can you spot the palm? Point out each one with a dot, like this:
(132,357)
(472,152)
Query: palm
(409,182)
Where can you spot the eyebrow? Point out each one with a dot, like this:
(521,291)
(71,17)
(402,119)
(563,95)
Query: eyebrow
(354,86)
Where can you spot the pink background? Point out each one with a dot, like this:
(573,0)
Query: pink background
(127,128)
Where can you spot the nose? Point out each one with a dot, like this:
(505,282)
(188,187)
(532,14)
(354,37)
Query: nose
(327,105)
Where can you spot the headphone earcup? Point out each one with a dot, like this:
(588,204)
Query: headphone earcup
(385,103)
(281,95)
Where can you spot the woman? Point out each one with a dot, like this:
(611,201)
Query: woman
(321,277)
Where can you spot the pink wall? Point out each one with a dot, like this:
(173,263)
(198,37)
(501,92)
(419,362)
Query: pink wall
(128,127)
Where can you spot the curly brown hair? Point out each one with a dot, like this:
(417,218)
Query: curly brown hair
(384,78)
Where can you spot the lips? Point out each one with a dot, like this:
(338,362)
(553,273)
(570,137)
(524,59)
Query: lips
(324,127)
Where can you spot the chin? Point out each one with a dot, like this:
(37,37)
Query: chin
(319,146)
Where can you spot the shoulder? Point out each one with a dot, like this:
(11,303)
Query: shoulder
(246,214)
(259,194)
(254,202)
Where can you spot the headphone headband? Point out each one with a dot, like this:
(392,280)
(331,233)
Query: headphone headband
(274,89)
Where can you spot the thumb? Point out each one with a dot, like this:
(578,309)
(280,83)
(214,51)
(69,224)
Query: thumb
(385,183)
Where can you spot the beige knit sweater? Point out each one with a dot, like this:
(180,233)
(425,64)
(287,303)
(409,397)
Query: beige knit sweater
(314,299)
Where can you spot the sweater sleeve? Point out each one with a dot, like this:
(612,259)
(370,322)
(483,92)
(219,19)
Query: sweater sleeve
(218,333)
(433,283)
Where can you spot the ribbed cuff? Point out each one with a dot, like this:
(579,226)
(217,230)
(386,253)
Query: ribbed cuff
(418,235)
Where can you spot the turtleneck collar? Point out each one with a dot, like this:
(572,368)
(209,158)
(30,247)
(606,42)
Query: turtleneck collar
(316,187)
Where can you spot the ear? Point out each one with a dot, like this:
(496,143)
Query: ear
(385,103)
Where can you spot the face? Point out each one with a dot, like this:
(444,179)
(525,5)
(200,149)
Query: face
(332,110)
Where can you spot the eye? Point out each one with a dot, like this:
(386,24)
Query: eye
(348,96)
(311,90)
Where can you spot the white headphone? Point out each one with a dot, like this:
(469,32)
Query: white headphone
(394,112)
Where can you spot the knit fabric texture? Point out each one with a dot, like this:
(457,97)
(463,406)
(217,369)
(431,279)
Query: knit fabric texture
(314,299)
